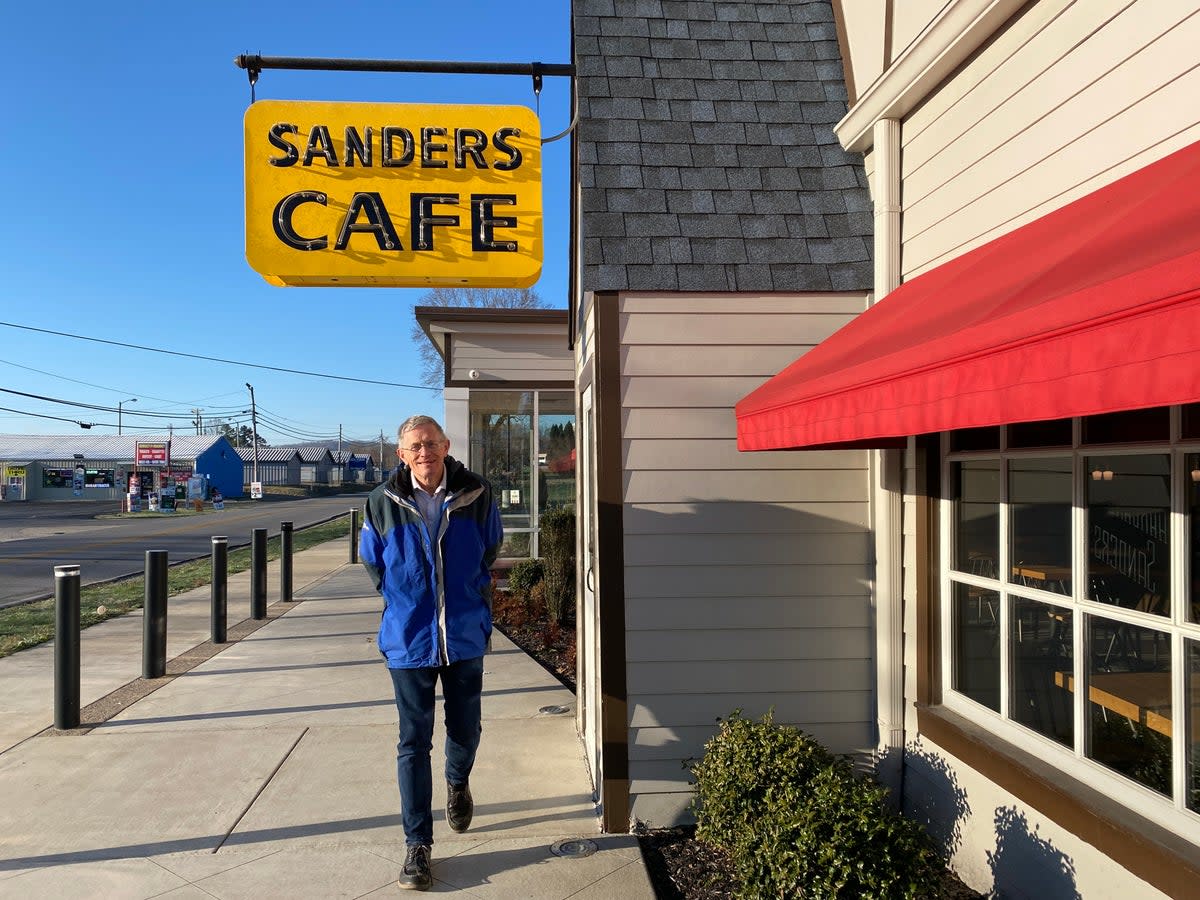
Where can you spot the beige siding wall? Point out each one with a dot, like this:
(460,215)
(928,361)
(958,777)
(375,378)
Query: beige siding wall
(510,357)
(1070,97)
(747,575)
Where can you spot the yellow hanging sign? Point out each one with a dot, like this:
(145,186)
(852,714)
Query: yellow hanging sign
(393,195)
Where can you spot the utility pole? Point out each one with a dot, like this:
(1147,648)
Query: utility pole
(121,403)
(339,442)
(254,428)
(382,468)
(198,421)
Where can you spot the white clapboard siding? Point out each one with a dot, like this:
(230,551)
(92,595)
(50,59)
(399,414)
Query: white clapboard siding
(798,706)
(748,643)
(757,360)
(741,611)
(511,357)
(829,579)
(744,549)
(741,517)
(745,573)
(763,677)
(752,485)
(705,329)
(998,71)
(703,454)
(1103,95)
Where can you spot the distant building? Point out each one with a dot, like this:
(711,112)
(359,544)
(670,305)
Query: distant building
(101,467)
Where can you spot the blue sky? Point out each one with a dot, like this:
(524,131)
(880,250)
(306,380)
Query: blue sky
(124,207)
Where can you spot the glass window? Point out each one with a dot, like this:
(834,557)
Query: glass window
(976,439)
(529,472)
(977,644)
(1193,705)
(1041,669)
(1129,701)
(1192,506)
(1128,427)
(976,494)
(1105,665)
(1039,492)
(501,451)
(1128,509)
(1054,433)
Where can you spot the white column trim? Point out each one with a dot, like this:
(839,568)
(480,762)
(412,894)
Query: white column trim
(887,483)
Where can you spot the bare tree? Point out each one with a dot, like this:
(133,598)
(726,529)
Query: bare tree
(487,298)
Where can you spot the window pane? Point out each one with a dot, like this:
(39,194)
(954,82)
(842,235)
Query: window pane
(977,644)
(987,438)
(556,460)
(1193,512)
(1193,705)
(977,516)
(1128,510)
(1054,433)
(1128,427)
(1039,493)
(1041,669)
(1129,701)
(501,451)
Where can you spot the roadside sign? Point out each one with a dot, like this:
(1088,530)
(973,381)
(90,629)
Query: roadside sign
(256,490)
(151,453)
(393,194)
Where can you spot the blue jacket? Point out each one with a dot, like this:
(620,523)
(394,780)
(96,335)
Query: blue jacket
(436,594)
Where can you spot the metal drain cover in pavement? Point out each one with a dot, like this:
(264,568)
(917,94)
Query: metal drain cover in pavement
(554,710)
(575,848)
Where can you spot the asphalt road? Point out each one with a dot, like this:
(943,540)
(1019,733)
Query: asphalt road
(37,536)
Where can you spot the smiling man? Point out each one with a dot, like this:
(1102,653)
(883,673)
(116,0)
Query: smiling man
(429,537)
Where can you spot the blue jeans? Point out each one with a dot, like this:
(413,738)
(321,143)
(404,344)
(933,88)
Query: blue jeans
(462,687)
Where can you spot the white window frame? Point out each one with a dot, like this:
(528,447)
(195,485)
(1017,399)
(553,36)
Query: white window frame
(1170,812)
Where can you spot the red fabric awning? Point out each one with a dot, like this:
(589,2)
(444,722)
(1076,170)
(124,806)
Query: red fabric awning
(1093,308)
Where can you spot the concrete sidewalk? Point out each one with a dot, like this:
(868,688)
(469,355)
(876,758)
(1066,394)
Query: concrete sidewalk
(268,770)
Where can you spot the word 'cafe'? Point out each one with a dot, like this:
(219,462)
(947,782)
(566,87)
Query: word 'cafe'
(393,194)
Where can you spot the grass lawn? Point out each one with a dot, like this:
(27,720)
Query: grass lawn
(33,623)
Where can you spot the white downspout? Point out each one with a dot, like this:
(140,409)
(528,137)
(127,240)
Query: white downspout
(887,480)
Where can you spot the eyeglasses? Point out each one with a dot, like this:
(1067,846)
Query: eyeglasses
(427,446)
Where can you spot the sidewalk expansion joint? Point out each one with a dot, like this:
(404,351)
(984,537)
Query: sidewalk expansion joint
(258,793)
(100,711)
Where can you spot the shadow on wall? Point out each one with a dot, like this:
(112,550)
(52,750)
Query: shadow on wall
(942,807)
(732,604)
(1026,865)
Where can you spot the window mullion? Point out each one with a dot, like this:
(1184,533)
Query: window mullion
(1005,567)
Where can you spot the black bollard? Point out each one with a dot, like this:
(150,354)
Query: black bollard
(258,574)
(285,561)
(154,616)
(354,535)
(220,588)
(66,647)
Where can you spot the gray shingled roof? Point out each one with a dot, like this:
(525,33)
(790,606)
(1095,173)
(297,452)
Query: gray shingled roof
(99,446)
(707,155)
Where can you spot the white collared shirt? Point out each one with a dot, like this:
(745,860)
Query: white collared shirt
(430,505)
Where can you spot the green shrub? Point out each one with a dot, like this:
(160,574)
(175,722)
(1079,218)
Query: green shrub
(523,575)
(798,823)
(558,558)
(743,763)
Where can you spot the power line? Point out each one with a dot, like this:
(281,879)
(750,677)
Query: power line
(231,362)
(100,387)
(154,415)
